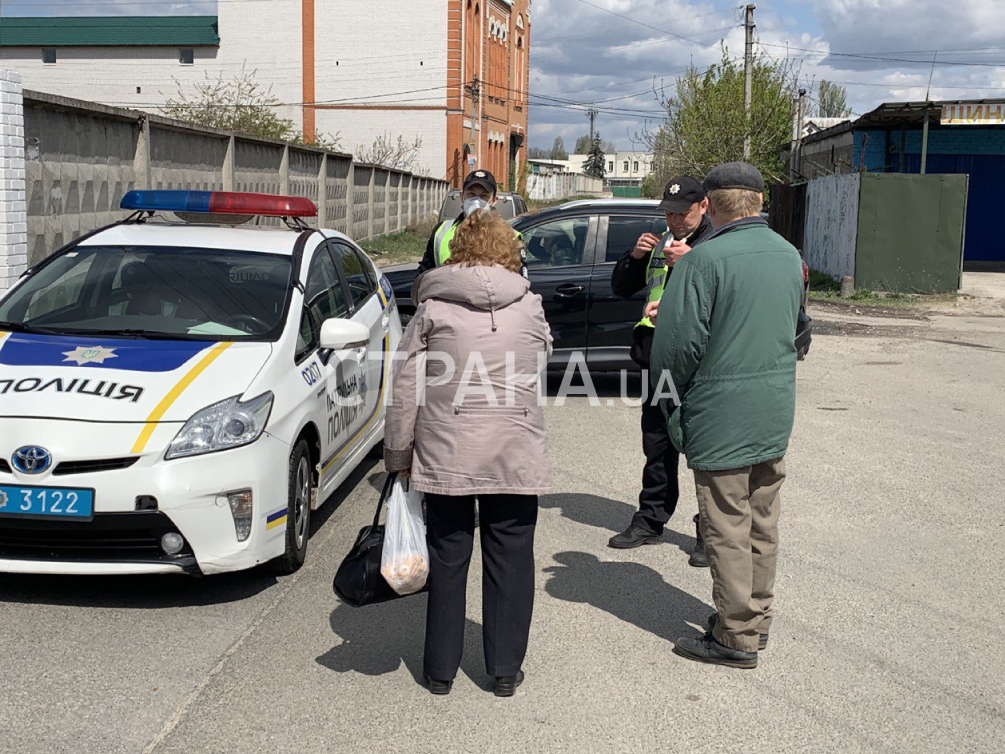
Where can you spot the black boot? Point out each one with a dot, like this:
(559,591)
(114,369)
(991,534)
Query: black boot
(633,536)
(506,685)
(439,688)
(708,650)
(697,557)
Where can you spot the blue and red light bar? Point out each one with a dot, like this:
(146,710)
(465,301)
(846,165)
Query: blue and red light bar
(219,202)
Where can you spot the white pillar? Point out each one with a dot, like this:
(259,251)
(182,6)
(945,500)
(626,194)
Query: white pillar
(13,207)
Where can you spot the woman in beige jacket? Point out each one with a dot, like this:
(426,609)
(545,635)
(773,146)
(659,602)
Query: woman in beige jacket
(464,421)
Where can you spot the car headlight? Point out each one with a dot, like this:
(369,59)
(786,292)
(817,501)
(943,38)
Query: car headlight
(227,424)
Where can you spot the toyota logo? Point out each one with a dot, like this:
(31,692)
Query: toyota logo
(31,459)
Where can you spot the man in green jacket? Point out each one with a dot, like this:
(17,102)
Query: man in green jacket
(724,336)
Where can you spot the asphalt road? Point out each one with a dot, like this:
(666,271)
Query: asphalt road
(889,635)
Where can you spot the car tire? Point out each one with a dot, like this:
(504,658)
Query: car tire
(298,515)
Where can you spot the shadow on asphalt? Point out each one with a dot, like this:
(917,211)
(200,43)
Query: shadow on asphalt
(632,592)
(378,639)
(134,592)
(157,591)
(604,513)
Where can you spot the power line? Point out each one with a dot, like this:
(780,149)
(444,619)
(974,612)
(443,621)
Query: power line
(682,37)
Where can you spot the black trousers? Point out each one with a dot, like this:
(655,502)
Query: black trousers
(660,490)
(507,525)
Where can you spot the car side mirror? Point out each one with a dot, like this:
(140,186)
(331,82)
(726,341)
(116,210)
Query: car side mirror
(341,335)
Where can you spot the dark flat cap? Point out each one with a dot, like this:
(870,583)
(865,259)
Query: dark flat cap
(734,175)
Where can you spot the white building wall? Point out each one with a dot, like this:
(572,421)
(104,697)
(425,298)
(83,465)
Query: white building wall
(111,75)
(13,217)
(394,58)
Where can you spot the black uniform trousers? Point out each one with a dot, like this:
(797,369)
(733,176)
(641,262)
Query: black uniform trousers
(507,524)
(660,490)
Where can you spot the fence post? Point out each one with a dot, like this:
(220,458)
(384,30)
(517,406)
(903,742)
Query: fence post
(323,192)
(369,217)
(350,196)
(13,204)
(229,168)
(141,159)
(284,172)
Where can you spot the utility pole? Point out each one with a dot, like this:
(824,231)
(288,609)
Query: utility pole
(591,114)
(475,90)
(797,135)
(748,83)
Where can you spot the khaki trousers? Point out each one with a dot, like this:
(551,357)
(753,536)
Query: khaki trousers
(739,521)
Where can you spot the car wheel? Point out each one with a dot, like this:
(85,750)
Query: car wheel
(298,515)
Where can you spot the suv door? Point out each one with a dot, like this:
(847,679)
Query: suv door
(612,318)
(559,263)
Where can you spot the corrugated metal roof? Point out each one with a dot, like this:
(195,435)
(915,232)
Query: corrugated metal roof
(110,31)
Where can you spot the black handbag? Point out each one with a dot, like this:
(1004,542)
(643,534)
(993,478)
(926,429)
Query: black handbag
(358,580)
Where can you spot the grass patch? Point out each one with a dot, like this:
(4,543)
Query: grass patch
(883,300)
(821,282)
(400,248)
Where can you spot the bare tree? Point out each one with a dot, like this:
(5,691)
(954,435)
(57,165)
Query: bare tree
(240,104)
(388,152)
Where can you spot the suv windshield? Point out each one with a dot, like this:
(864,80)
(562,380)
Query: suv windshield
(154,291)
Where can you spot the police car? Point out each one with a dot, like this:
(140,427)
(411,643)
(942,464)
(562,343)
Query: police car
(179,392)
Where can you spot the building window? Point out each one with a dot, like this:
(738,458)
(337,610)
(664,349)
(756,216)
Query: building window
(49,56)
(610,166)
(626,166)
(635,167)
(186,56)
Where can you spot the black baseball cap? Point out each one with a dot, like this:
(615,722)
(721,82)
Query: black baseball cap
(680,193)
(734,175)
(482,178)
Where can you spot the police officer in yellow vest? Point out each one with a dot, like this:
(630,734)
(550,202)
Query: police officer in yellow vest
(648,266)
(477,192)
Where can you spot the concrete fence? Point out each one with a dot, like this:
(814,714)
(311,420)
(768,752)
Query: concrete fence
(79,158)
(551,187)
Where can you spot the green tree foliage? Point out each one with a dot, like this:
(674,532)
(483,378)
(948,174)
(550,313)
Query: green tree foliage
(538,153)
(558,150)
(833,100)
(595,165)
(705,121)
(240,104)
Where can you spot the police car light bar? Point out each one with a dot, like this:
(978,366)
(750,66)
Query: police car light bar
(219,202)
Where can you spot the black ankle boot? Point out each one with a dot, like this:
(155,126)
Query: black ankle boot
(506,685)
(697,557)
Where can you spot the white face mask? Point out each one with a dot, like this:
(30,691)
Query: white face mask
(474,204)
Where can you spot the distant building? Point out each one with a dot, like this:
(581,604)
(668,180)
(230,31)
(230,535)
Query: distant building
(356,69)
(963,137)
(623,169)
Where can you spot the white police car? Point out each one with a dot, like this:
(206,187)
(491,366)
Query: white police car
(178,396)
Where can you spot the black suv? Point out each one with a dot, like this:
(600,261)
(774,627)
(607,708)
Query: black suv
(571,252)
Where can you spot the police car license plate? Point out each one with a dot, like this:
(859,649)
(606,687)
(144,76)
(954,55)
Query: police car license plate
(46,502)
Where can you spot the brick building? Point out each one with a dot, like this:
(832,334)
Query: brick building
(356,70)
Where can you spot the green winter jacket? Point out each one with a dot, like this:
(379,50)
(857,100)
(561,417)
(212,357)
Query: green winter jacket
(725,336)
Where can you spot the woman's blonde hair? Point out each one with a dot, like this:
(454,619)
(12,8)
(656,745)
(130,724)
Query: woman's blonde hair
(485,238)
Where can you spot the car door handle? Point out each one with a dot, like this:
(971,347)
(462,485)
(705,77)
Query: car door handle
(568,289)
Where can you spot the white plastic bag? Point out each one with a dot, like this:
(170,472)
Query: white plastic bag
(404,563)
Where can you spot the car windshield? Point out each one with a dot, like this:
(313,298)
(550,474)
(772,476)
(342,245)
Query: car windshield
(154,291)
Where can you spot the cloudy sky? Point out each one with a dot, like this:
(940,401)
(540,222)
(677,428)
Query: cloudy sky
(613,52)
